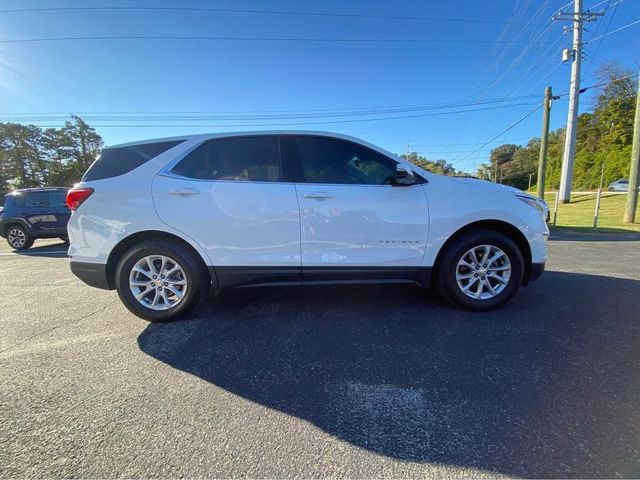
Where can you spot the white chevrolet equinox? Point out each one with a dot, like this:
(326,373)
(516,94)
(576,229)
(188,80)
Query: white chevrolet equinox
(165,221)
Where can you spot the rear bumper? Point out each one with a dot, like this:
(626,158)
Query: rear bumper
(93,274)
(537,269)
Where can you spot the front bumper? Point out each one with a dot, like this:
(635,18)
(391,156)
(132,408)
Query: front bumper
(93,274)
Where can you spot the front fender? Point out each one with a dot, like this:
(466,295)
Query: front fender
(453,206)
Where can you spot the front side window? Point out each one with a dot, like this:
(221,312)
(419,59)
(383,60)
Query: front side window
(36,199)
(331,160)
(255,159)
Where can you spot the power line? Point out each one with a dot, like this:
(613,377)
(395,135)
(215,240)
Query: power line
(534,110)
(570,2)
(262,12)
(513,125)
(524,51)
(615,31)
(300,123)
(517,35)
(584,89)
(426,106)
(262,39)
(595,54)
(473,144)
(600,3)
(151,116)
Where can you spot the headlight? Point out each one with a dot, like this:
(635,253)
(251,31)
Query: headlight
(532,202)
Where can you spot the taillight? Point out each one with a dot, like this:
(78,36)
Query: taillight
(77,196)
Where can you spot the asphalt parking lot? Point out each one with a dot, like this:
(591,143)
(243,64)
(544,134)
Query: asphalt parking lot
(378,381)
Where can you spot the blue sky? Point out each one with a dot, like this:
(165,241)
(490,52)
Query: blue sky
(146,76)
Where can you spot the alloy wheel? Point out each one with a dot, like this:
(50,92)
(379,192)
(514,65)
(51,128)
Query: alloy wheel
(483,272)
(16,237)
(158,282)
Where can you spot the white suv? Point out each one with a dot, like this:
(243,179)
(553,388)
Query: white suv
(163,221)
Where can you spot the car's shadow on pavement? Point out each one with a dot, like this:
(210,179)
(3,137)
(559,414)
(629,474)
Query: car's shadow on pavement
(56,250)
(545,387)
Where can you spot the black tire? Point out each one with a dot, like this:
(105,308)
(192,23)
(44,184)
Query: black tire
(18,238)
(448,264)
(195,273)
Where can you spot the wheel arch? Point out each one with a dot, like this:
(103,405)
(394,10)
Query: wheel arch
(126,243)
(20,222)
(501,226)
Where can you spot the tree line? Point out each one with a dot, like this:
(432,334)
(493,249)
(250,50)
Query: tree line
(33,157)
(440,167)
(604,137)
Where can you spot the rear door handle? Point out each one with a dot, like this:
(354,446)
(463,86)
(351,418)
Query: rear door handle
(184,192)
(318,196)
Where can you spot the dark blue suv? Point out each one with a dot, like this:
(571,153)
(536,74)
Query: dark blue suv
(34,213)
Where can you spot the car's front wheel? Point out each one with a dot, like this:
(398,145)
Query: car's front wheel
(480,270)
(158,281)
(18,238)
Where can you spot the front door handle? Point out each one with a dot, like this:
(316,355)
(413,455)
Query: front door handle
(318,196)
(184,192)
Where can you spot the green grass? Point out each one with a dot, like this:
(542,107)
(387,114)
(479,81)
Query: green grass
(580,212)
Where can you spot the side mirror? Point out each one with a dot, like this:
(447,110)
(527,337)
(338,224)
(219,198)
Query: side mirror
(404,176)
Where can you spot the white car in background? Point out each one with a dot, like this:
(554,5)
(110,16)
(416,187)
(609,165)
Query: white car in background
(620,186)
(164,221)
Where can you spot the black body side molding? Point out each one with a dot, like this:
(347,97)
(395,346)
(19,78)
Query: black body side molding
(253,276)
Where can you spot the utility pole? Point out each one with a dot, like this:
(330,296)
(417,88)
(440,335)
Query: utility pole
(544,142)
(495,174)
(578,18)
(632,195)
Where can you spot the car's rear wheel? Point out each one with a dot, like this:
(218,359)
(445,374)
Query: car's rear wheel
(18,238)
(480,270)
(159,281)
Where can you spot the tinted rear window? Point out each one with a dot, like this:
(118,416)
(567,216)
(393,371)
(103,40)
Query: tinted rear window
(120,160)
(255,159)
